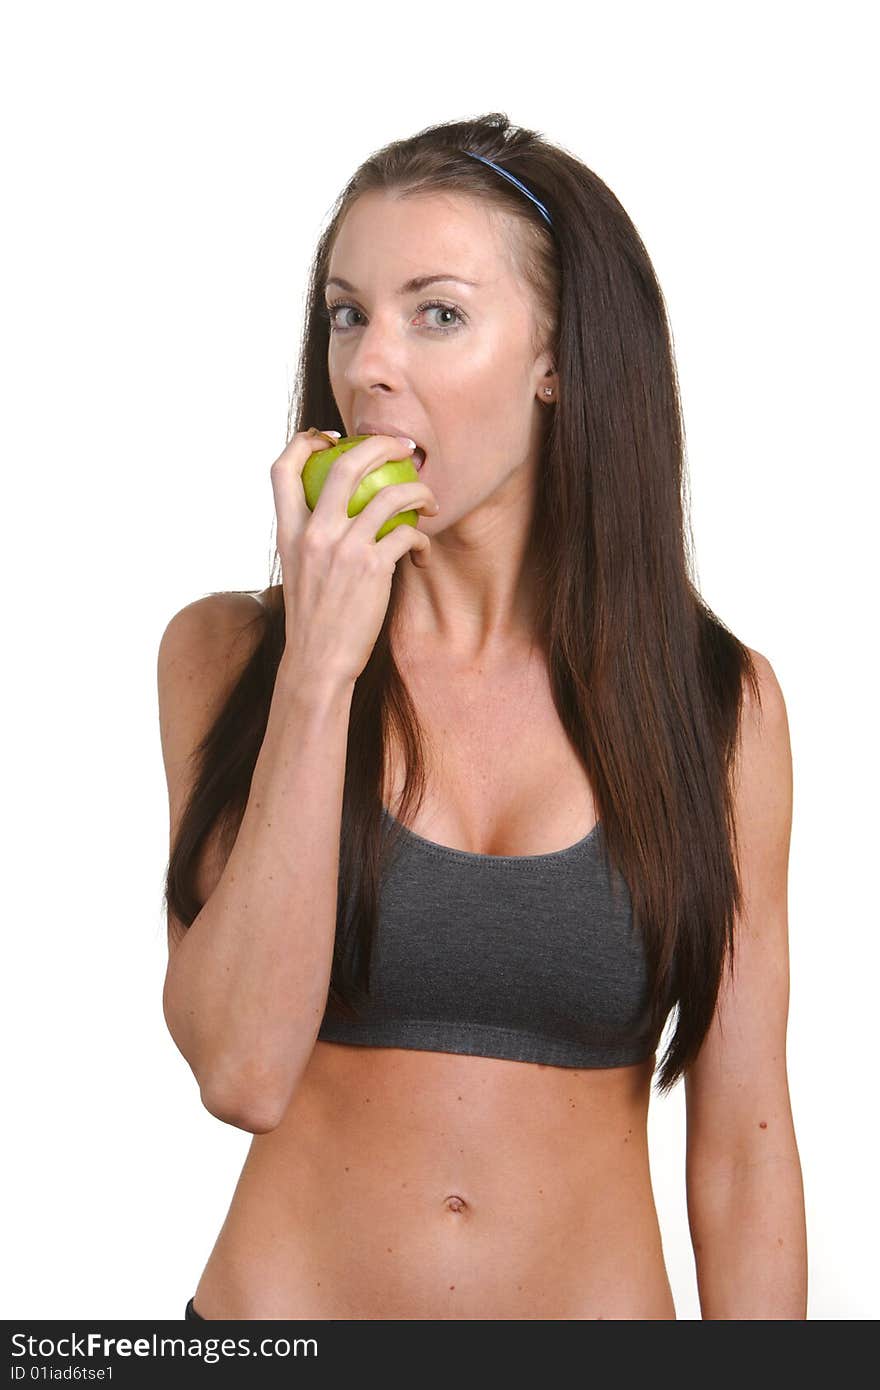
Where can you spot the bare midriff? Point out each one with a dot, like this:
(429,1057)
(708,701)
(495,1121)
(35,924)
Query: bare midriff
(411,1184)
(426,1185)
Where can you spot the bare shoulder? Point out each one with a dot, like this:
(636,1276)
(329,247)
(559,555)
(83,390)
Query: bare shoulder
(213,627)
(739,1074)
(202,652)
(204,649)
(764,712)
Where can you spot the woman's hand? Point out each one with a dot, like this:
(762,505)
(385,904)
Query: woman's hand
(336,575)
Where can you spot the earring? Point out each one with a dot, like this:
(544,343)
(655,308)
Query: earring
(548,390)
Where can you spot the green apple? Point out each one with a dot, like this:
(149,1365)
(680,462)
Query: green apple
(318,465)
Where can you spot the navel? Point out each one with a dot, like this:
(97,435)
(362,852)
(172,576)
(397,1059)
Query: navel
(455,1203)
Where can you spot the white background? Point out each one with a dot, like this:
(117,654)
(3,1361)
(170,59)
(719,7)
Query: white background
(167,169)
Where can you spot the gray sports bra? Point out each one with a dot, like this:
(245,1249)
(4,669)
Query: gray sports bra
(526,957)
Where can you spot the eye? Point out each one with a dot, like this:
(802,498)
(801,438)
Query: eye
(328,312)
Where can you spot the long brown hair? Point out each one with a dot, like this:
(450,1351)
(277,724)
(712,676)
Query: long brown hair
(647,681)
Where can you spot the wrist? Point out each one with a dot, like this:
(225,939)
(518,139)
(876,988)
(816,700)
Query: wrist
(314,689)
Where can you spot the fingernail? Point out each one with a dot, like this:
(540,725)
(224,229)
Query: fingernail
(411,443)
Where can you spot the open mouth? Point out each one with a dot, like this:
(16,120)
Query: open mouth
(418,457)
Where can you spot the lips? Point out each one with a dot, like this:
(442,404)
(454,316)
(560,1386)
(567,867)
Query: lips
(371,427)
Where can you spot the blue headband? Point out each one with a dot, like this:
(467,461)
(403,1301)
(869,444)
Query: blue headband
(506,174)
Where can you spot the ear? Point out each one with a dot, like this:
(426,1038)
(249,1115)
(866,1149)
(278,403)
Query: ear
(547,389)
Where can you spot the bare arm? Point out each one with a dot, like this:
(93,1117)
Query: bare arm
(745,1191)
(246,985)
(748,1230)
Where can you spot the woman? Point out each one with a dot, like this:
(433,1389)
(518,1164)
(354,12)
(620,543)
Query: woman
(460,834)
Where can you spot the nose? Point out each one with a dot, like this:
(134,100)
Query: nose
(370,354)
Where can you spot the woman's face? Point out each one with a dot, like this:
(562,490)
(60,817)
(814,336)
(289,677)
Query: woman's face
(457,375)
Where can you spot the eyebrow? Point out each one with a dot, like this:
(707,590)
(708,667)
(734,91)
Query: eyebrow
(418,282)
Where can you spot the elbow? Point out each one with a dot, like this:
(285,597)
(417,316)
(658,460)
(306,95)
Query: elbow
(252,1103)
(249,1097)
(242,1112)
